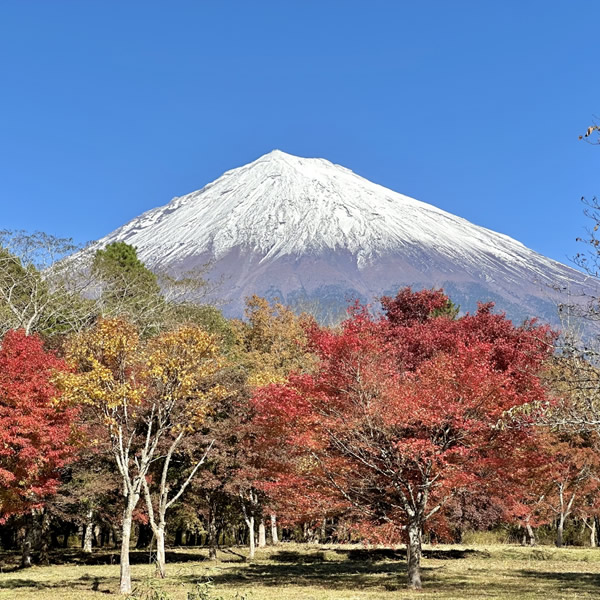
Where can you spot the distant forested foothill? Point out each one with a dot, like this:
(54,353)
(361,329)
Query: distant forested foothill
(131,414)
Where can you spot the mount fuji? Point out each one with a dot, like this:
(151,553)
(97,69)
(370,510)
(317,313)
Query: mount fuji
(316,235)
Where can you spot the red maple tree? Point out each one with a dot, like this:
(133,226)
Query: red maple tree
(406,411)
(35,428)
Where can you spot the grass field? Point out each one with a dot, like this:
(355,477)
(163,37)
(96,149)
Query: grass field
(294,572)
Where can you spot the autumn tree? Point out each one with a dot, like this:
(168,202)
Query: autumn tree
(214,498)
(569,429)
(271,342)
(182,367)
(268,345)
(147,396)
(207,317)
(35,429)
(88,497)
(405,411)
(554,483)
(105,362)
(573,475)
(36,437)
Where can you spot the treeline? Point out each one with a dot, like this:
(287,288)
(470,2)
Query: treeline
(129,414)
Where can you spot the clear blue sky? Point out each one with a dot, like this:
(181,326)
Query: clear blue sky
(109,108)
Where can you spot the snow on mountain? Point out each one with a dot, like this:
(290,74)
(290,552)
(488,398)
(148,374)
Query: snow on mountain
(315,233)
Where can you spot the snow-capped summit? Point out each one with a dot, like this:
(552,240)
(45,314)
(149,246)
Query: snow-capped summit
(312,232)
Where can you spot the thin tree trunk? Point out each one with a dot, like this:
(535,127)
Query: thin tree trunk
(565,511)
(593,538)
(44,537)
(559,532)
(116,537)
(36,537)
(88,532)
(158,524)
(249,518)
(414,556)
(160,551)
(262,533)
(274,535)
(26,553)
(27,542)
(531,534)
(125,580)
(212,535)
(158,529)
(524,540)
(250,523)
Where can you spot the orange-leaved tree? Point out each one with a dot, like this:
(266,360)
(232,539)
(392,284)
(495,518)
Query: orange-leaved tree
(405,411)
(268,346)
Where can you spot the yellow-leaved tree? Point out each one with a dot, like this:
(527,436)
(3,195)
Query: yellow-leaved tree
(146,395)
(182,366)
(269,345)
(271,342)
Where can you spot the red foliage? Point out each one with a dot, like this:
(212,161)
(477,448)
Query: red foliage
(35,430)
(404,412)
(410,307)
(567,482)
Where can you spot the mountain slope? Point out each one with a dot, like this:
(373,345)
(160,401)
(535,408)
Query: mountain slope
(317,234)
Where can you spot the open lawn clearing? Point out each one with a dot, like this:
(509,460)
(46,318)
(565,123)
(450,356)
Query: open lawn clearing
(297,572)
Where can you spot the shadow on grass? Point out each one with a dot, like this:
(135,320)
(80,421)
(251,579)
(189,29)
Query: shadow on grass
(350,569)
(85,582)
(136,557)
(333,569)
(290,556)
(373,555)
(287,567)
(377,554)
(103,557)
(342,569)
(577,582)
(10,561)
